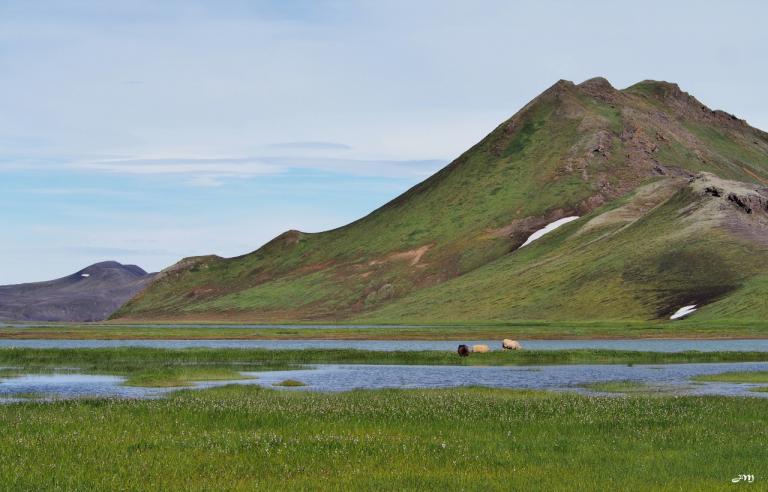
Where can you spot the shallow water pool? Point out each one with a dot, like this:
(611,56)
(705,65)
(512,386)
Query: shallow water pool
(673,378)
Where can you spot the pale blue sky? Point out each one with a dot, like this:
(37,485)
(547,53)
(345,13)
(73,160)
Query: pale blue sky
(146,131)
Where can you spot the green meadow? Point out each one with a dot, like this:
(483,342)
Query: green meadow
(522,329)
(248,438)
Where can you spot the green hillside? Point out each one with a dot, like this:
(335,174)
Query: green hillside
(670,245)
(446,250)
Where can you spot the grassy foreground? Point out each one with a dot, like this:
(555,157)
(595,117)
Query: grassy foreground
(247,438)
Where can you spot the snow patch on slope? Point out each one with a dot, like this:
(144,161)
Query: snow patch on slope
(683,311)
(548,228)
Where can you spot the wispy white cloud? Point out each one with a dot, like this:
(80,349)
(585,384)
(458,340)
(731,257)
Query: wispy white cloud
(193,166)
(310,146)
(204,171)
(205,181)
(78,191)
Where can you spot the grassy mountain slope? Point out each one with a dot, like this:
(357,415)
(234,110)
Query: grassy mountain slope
(571,151)
(672,244)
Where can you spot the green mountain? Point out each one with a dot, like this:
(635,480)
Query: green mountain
(672,208)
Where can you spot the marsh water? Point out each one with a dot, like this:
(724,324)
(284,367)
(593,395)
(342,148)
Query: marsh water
(66,385)
(675,378)
(648,345)
(668,378)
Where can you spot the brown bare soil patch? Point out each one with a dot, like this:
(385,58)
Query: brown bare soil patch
(412,256)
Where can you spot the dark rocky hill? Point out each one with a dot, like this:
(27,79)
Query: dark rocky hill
(91,294)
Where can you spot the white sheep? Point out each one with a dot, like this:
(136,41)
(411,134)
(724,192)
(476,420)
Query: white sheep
(508,344)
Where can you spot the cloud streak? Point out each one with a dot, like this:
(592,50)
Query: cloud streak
(202,171)
(310,146)
(192,166)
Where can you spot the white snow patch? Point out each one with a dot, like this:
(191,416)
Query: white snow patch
(683,311)
(86,275)
(548,228)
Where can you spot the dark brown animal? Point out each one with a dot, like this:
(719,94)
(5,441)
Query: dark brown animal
(463,351)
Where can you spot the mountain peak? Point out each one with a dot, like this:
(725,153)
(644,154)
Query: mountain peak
(597,83)
(599,88)
(112,265)
(659,85)
(559,86)
(670,94)
(106,264)
(662,90)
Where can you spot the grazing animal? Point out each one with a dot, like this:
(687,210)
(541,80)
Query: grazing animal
(481,349)
(463,351)
(508,344)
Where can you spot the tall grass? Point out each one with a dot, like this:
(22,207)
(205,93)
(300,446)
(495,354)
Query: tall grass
(247,438)
(134,358)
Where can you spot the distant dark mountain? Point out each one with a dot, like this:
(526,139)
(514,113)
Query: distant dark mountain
(91,294)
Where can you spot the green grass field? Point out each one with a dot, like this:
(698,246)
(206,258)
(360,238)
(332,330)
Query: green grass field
(522,329)
(247,438)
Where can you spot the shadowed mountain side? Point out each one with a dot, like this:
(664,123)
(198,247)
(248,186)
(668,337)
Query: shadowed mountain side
(573,150)
(91,294)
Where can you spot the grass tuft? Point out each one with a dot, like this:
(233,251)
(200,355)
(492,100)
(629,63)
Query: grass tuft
(290,383)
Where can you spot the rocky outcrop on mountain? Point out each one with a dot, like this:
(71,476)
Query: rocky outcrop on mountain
(746,197)
(91,294)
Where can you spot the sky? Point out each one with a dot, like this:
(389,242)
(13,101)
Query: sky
(147,131)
